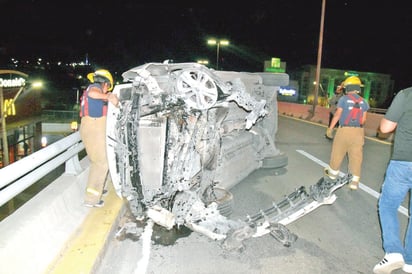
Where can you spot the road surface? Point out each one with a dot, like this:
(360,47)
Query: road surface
(340,238)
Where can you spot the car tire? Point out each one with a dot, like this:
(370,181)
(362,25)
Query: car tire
(278,161)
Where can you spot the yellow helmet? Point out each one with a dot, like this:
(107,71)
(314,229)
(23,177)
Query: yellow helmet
(352,80)
(101,73)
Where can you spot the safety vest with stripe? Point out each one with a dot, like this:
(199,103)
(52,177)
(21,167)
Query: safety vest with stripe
(90,106)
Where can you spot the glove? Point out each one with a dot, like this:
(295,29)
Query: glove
(329,133)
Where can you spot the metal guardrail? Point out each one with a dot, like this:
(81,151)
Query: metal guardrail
(18,176)
(378,110)
(60,115)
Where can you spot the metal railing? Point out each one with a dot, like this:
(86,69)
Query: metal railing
(18,176)
(60,115)
(378,110)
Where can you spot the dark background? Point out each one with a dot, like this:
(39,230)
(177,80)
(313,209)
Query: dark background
(358,35)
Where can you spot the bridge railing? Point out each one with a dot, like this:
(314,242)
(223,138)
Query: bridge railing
(38,231)
(18,176)
(378,110)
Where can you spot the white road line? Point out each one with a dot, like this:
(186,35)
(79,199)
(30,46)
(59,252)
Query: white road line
(365,188)
(143,263)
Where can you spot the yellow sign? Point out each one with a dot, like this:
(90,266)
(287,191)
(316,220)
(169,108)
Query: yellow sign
(275,62)
(9,108)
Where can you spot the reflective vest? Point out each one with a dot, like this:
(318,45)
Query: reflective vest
(92,107)
(355,114)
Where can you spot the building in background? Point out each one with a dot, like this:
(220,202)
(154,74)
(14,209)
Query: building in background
(378,87)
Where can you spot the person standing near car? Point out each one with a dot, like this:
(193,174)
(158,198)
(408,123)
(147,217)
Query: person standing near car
(333,105)
(93,132)
(350,136)
(396,185)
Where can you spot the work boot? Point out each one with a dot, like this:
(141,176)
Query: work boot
(98,204)
(354,185)
(330,174)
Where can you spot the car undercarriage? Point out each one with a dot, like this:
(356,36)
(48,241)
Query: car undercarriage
(185,134)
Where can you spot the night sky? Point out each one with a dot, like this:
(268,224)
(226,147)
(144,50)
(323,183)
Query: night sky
(358,34)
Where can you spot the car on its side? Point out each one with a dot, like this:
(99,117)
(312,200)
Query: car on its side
(185,134)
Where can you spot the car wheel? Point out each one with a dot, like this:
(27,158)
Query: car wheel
(197,89)
(278,161)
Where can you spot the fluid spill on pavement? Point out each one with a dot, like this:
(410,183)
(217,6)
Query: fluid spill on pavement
(132,229)
(165,237)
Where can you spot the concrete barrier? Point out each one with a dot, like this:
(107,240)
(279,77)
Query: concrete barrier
(37,235)
(31,237)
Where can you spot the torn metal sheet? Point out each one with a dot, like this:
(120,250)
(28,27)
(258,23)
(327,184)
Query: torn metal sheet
(184,135)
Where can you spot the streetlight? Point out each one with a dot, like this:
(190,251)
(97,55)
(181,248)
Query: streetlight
(218,43)
(321,87)
(203,62)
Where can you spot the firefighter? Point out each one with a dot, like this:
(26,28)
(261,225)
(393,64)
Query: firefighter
(333,104)
(93,132)
(350,136)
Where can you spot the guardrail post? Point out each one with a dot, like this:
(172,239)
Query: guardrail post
(72,166)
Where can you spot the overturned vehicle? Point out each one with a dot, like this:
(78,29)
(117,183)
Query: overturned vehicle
(185,134)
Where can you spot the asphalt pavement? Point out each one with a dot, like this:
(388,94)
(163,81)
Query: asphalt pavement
(343,237)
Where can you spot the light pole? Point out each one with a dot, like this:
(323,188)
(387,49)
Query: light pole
(218,43)
(5,158)
(317,76)
(203,62)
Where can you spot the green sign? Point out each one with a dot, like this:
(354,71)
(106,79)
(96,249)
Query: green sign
(351,73)
(272,69)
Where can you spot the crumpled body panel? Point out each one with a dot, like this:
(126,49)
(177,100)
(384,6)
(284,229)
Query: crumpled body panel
(183,130)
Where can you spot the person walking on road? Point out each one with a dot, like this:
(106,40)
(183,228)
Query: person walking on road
(396,185)
(333,105)
(350,136)
(93,132)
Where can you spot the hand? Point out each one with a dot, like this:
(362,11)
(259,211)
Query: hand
(112,98)
(329,133)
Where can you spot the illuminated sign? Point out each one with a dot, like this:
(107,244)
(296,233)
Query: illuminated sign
(9,108)
(351,73)
(287,91)
(18,81)
(274,65)
(275,62)
(12,83)
(272,69)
